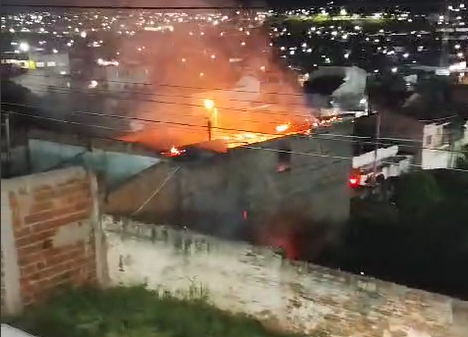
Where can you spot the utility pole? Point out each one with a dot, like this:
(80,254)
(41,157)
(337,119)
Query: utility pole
(209,129)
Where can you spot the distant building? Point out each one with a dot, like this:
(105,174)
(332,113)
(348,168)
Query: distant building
(386,160)
(430,141)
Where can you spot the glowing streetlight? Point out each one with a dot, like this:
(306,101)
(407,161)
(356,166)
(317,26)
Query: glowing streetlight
(24,47)
(209,104)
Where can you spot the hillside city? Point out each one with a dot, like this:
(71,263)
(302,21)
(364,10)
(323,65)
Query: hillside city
(333,137)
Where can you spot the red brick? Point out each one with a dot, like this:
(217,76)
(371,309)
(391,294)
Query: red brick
(32,248)
(44,195)
(55,213)
(52,271)
(28,269)
(71,181)
(75,188)
(34,238)
(77,198)
(21,232)
(42,188)
(58,222)
(31,257)
(41,206)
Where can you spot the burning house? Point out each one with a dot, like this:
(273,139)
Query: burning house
(243,191)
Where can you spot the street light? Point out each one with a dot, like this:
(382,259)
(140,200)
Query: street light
(210,106)
(24,47)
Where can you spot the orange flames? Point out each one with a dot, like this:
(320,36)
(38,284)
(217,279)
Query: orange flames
(282,128)
(174,152)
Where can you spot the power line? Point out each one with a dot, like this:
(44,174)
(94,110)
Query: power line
(177,86)
(347,138)
(147,120)
(254,110)
(285,113)
(259,148)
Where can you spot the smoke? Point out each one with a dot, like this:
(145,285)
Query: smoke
(230,62)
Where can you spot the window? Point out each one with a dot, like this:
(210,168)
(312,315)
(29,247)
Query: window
(429,140)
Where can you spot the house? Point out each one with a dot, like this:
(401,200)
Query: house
(243,189)
(430,141)
(385,160)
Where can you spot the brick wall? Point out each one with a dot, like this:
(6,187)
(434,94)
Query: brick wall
(50,227)
(300,297)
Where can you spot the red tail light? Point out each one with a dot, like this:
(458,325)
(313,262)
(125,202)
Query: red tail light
(353,182)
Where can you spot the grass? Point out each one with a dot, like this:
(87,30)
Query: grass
(134,312)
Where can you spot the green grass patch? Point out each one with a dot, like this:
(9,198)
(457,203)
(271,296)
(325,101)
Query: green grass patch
(134,312)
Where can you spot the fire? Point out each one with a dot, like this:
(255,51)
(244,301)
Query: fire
(174,152)
(209,104)
(282,127)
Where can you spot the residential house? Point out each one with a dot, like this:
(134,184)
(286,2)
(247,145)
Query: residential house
(245,188)
(430,140)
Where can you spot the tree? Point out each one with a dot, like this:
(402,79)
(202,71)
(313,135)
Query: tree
(462,161)
(417,193)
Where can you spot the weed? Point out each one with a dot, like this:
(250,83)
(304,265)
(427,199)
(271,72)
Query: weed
(135,312)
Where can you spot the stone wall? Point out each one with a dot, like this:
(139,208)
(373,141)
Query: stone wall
(293,296)
(49,234)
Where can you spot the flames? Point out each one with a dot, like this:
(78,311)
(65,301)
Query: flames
(173,152)
(282,128)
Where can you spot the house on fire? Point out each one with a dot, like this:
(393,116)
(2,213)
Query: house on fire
(228,194)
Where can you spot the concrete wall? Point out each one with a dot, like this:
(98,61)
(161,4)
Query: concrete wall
(115,167)
(299,297)
(436,158)
(224,194)
(50,235)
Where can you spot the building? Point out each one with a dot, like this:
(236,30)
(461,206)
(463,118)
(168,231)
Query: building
(244,189)
(430,141)
(385,160)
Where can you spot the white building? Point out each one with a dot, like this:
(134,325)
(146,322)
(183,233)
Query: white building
(388,163)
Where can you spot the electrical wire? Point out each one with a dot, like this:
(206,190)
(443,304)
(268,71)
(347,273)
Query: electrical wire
(287,116)
(324,136)
(259,148)
(347,138)
(205,90)
(177,86)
